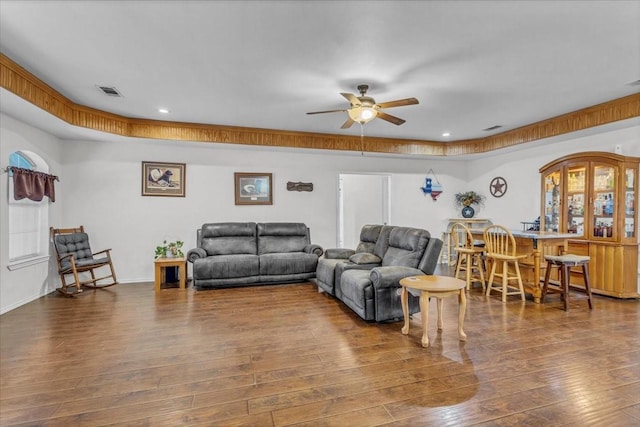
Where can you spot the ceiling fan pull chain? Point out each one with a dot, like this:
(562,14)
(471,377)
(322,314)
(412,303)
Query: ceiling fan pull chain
(362,138)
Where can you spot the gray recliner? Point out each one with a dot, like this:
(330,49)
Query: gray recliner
(337,260)
(373,294)
(367,279)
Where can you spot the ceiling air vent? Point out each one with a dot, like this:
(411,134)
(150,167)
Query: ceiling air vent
(110,91)
(492,128)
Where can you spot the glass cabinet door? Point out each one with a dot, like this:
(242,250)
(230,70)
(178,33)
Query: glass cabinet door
(576,187)
(629,203)
(603,201)
(552,203)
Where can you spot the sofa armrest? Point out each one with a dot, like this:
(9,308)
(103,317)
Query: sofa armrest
(196,253)
(389,277)
(338,253)
(365,258)
(314,249)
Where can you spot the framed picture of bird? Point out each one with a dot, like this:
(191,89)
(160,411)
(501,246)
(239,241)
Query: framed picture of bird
(163,179)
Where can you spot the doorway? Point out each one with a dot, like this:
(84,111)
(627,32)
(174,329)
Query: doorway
(362,199)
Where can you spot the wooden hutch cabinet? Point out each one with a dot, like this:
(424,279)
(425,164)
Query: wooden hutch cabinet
(594,195)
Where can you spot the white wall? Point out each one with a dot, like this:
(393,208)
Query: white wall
(521,170)
(20,286)
(101,188)
(107,178)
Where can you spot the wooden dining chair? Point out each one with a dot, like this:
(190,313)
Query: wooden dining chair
(469,256)
(74,258)
(501,249)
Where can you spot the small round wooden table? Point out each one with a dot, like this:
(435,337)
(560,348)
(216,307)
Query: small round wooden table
(433,286)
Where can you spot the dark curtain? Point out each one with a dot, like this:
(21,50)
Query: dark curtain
(33,185)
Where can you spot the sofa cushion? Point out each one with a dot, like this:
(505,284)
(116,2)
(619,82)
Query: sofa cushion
(227,238)
(325,273)
(406,247)
(282,237)
(357,292)
(368,238)
(365,258)
(226,266)
(76,244)
(382,244)
(287,263)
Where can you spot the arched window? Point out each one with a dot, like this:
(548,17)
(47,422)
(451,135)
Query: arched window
(28,220)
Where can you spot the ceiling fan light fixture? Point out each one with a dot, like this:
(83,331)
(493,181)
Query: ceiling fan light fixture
(362,115)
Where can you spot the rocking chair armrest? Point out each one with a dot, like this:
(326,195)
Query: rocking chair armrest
(66,256)
(102,252)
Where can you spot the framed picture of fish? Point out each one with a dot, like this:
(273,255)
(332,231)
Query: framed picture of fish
(253,188)
(163,179)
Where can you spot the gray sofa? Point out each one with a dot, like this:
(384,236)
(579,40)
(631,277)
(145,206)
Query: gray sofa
(367,279)
(247,253)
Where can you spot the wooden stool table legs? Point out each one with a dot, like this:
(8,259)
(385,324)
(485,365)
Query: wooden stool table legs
(564,263)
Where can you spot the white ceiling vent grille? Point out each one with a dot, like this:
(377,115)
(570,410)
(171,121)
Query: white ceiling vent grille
(110,91)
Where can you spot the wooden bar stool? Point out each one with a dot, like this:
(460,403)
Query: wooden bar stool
(469,256)
(564,264)
(501,248)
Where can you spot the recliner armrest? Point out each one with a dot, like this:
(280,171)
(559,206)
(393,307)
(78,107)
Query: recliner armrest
(390,276)
(314,249)
(338,253)
(196,253)
(365,258)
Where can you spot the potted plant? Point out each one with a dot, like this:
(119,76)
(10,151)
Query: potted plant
(466,199)
(170,250)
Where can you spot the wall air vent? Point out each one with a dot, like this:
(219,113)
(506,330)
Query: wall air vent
(492,128)
(110,91)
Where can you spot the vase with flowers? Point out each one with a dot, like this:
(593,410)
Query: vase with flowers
(170,249)
(466,199)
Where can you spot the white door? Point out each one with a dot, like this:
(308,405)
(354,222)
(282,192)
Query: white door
(363,199)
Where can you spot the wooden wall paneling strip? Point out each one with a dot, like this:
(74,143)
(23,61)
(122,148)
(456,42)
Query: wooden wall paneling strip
(21,82)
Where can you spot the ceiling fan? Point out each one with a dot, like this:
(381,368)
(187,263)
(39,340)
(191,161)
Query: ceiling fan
(364,108)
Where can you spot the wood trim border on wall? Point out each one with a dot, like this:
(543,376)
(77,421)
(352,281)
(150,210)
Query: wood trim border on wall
(21,82)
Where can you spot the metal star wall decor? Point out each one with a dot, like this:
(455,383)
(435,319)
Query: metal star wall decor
(498,186)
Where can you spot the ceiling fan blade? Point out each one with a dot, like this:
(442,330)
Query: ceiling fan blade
(347,124)
(351,98)
(328,111)
(398,103)
(388,117)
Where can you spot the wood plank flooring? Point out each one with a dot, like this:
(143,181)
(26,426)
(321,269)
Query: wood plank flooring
(290,356)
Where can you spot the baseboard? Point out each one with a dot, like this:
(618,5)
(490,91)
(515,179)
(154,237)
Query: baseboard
(24,301)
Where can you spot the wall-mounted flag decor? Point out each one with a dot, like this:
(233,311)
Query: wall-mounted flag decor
(432,186)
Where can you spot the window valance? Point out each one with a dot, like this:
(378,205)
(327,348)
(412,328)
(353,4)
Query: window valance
(33,185)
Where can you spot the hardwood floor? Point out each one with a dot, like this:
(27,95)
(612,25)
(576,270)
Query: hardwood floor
(288,355)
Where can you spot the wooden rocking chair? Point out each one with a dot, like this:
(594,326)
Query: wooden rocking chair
(74,257)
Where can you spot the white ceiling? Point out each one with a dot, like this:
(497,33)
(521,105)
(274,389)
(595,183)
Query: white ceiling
(264,64)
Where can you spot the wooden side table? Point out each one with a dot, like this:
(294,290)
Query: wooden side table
(438,287)
(161,272)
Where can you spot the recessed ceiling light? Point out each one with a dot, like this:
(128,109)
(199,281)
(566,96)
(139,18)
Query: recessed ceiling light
(163,111)
(445,134)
